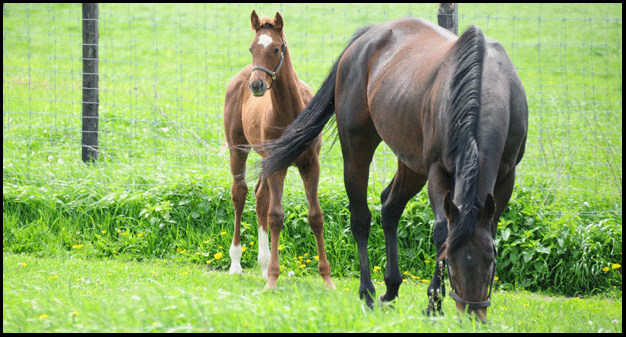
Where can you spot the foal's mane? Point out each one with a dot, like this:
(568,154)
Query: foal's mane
(464,108)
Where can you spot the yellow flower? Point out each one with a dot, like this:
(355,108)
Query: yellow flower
(376,269)
(252,243)
(243,249)
(605,269)
(23,264)
(495,278)
(616,266)
(74,313)
(223,233)
(104,232)
(317,258)
(218,256)
(43,316)
(78,246)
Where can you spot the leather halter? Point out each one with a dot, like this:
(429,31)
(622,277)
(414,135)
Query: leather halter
(273,73)
(474,305)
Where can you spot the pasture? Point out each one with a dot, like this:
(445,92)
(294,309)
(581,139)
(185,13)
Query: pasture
(67,294)
(159,198)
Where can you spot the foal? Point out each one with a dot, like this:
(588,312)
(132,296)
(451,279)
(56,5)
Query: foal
(251,118)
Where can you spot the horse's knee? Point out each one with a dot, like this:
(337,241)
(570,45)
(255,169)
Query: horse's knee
(316,221)
(440,233)
(275,220)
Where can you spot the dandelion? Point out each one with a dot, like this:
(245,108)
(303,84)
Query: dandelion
(251,243)
(74,313)
(376,269)
(616,266)
(104,232)
(223,233)
(23,264)
(317,258)
(78,246)
(525,304)
(605,269)
(53,277)
(243,249)
(218,255)
(495,278)
(43,316)
(280,247)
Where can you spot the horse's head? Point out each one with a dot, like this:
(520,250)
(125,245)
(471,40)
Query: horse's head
(471,261)
(267,50)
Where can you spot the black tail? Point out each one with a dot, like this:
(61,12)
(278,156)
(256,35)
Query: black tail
(465,93)
(307,126)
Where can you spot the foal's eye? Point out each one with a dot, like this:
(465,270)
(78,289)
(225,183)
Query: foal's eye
(276,50)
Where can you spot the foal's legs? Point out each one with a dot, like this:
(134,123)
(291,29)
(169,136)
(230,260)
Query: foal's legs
(404,186)
(239,191)
(275,218)
(262,207)
(310,173)
(439,181)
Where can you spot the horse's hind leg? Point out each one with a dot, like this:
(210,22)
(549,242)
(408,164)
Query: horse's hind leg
(239,191)
(262,206)
(358,147)
(310,173)
(404,186)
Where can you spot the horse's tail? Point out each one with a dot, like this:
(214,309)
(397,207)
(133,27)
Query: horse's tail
(464,108)
(307,126)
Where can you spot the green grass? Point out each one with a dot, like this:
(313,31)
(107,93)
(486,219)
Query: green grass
(68,294)
(161,189)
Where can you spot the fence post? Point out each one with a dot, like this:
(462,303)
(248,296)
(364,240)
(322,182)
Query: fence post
(91,98)
(448,17)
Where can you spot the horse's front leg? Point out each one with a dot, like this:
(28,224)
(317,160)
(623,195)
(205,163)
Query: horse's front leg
(439,181)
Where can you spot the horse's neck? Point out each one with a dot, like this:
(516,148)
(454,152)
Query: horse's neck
(285,94)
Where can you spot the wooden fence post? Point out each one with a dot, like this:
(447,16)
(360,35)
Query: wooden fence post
(448,17)
(91,99)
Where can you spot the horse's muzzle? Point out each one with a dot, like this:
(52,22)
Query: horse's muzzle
(257,88)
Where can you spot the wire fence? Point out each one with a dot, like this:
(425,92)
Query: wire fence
(164,70)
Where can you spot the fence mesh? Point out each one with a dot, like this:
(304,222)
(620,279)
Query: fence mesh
(164,71)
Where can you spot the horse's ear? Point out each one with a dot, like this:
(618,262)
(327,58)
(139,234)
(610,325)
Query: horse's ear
(278,21)
(452,212)
(489,208)
(254,20)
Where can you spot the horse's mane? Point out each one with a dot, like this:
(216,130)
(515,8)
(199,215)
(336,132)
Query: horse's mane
(464,95)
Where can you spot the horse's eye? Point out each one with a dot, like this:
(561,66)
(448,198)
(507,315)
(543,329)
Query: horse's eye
(276,50)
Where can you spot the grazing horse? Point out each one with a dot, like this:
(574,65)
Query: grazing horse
(251,118)
(454,112)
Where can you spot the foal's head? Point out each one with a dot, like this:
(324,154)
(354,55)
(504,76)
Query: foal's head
(471,254)
(267,50)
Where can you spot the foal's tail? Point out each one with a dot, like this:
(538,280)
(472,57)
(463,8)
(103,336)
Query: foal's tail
(307,126)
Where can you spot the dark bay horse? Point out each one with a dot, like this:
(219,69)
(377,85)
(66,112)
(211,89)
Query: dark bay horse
(251,118)
(454,112)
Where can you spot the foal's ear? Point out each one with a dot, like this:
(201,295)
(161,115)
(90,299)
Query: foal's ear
(452,212)
(254,20)
(278,21)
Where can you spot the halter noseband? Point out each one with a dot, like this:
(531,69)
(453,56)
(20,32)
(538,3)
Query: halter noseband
(457,298)
(273,73)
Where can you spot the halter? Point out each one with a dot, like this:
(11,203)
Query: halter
(273,73)
(457,298)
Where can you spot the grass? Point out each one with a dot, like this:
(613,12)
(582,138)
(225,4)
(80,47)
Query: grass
(69,294)
(160,191)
